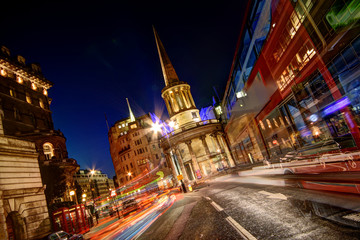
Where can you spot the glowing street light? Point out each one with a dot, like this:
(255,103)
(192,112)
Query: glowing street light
(92,172)
(84,195)
(156,127)
(73,193)
(129,174)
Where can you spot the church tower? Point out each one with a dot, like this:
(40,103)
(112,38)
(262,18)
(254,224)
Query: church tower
(176,94)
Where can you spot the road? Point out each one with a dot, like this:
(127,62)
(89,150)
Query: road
(254,207)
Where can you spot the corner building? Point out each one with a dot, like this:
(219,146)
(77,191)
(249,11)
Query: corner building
(95,185)
(295,80)
(135,149)
(196,149)
(25,106)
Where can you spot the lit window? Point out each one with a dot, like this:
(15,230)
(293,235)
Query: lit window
(41,103)
(268,123)
(45,92)
(19,79)
(262,125)
(12,92)
(3,72)
(48,150)
(33,86)
(28,98)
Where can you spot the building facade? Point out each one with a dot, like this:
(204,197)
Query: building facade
(135,149)
(195,147)
(25,104)
(23,209)
(94,184)
(297,90)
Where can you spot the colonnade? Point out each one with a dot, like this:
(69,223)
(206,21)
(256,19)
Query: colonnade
(221,148)
(178,98)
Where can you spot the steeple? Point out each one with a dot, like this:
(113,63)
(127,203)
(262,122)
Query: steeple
(176,94)
(168,70)
(132,118)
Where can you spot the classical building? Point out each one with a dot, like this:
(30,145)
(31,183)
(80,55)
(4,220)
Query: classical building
(294,85)
(26,107)
(195,147)
(135,149)
(93,183)
(23,208)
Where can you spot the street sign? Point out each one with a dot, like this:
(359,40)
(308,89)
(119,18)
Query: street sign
(180,177)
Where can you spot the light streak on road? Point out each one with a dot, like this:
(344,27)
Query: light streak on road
(135,224)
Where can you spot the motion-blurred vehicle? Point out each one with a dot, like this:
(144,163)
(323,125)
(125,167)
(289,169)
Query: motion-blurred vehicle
(61,235)
(129,206)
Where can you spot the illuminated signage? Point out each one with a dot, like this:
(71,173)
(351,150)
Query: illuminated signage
(339,104)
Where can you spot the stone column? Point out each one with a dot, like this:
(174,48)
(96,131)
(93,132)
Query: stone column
(181,163)
(226,148)
(173,167)
(178,98)
(168,104)
(203,140)
(191,98)
(187,105)
(193,158)
(174,102)
(214,136)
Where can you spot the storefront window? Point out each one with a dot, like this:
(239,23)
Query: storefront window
(276,136)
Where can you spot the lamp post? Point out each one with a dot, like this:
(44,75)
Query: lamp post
(157,128)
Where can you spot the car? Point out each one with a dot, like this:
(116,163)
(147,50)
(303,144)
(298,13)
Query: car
(61,235)
(129,206)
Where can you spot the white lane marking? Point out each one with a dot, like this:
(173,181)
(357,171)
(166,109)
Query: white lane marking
(242,231)
(274,195)
(217,207)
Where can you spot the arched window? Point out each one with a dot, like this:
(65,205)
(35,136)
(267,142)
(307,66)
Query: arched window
(48,150)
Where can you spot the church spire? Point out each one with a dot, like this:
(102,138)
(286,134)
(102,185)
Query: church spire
(132,118)
(168,70)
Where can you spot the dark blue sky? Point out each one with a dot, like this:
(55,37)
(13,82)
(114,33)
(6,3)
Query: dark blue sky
(98,54)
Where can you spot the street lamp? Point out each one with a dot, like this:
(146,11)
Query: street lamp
(73,193)
(157,128)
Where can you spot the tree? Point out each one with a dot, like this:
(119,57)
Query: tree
(54,179)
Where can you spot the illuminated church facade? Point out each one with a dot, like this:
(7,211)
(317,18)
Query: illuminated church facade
(195,147)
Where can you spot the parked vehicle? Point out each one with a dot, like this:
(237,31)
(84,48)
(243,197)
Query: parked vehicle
(61,235)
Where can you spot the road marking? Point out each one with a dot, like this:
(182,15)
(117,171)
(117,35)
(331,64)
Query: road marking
(274,195)
(242,231)
(217,207)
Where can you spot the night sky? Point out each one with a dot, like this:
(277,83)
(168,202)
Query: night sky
(98,54)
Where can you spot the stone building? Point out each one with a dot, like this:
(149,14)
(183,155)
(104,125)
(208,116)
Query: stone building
(94,183)
(25,104)
(23,209)
(135,149)
(196,148)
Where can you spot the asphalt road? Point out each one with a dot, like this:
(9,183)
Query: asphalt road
(233,207)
